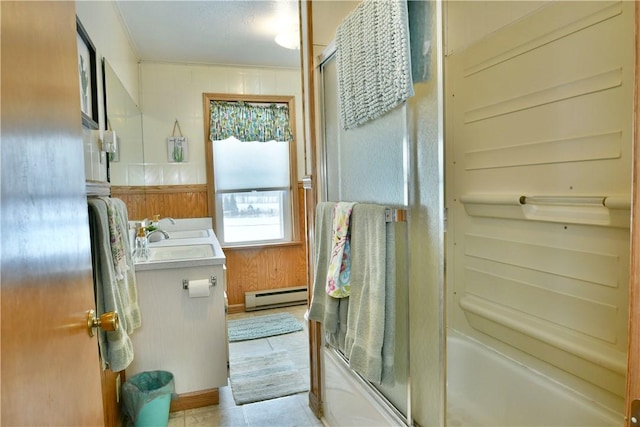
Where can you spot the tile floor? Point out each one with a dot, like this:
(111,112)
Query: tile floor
(287,411)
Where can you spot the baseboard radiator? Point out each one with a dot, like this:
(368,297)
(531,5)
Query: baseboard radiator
(272,298)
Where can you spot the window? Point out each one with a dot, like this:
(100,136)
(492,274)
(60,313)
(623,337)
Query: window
(251,163)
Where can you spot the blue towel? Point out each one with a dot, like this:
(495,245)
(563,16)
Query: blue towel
(113,294)
(331,312)
(369,343)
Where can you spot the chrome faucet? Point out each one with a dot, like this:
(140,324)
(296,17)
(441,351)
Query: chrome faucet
(156,218)
(157,235)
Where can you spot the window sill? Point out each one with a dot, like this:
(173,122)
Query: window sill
(263,245)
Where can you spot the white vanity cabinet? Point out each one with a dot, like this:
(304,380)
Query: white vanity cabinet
(185,336)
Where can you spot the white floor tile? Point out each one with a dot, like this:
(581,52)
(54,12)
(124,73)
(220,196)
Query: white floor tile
(287,411)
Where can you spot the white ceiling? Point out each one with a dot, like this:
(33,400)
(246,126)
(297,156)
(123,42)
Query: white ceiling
(238,32)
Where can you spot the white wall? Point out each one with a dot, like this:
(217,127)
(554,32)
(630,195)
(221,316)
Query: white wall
(174,91)
(327,15)
(104,26)
(102,21)
(166,92)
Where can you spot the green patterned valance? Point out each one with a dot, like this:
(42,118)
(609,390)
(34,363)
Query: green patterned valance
(250,122)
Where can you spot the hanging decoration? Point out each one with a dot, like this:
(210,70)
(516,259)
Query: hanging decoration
(177,146)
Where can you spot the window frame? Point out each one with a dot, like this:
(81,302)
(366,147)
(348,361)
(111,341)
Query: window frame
(293,179)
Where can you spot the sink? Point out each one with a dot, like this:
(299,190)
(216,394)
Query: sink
(165,253)
(188,234)
(193,247)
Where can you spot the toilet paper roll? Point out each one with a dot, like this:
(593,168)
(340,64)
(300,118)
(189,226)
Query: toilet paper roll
(199,288)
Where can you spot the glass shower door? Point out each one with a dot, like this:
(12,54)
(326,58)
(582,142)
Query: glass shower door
(368,164)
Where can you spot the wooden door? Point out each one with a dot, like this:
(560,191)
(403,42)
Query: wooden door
(50,368)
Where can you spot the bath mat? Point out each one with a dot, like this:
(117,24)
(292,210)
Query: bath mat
(255,378)
(373,61)
(268,325)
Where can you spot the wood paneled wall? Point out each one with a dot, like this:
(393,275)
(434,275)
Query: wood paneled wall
(176,201)
(248,269)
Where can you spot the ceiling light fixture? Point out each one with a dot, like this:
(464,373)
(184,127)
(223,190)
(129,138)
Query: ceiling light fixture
(289,39)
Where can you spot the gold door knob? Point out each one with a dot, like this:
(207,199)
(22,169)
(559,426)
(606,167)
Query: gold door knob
(108,321)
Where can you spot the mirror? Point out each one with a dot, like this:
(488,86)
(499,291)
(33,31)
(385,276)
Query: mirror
(126,165)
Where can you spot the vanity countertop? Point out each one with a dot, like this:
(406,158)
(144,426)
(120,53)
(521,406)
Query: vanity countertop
(188,248)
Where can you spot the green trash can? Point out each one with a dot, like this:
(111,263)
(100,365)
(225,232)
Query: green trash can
(147,397)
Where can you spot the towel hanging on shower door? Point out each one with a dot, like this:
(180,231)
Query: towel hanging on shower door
(373,61)
(339,270)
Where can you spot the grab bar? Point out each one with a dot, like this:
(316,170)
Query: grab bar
(595,201)
(611,202)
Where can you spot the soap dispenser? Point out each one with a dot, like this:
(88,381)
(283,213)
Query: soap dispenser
(154,223)
(141,251)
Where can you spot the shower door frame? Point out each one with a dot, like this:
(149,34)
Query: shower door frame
(633,354)
(321,188)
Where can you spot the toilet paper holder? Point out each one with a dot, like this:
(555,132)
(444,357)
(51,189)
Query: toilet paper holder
(213,280)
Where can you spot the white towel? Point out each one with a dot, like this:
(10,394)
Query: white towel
(373,61)
(369,343)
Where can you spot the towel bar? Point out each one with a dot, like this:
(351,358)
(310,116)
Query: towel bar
(395,215)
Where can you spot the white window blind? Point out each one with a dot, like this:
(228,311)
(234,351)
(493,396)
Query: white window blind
(249,165)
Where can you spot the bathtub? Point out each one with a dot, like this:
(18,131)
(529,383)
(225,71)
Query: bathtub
(485,388)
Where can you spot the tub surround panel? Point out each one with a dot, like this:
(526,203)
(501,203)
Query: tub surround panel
(468,22)
(598,383)
(537,109)
(487,389)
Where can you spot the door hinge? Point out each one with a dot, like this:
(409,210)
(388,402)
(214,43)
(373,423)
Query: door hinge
(307,182)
